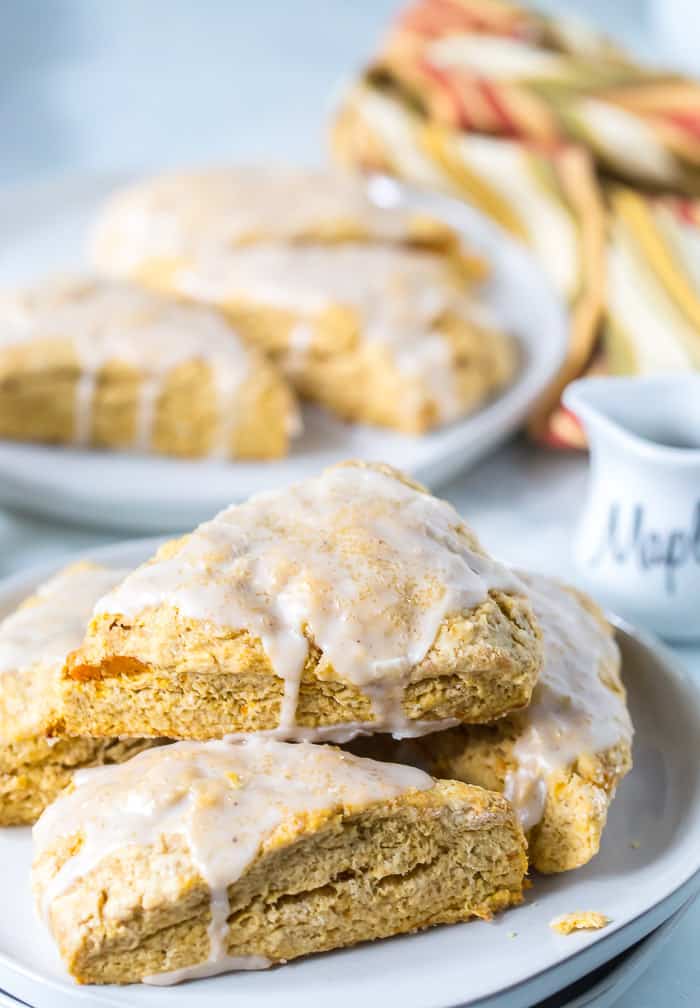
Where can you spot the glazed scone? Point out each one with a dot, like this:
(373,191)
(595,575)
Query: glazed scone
(168,221)
(377,333)
(370,311)
(548,199)
(561,760)
(103,363)
(216,856)
(34,642)
(351,602)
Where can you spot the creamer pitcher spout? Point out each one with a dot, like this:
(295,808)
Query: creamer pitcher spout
(638,542)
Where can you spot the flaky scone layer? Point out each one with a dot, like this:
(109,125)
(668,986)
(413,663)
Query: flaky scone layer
(426,857)
(351,560)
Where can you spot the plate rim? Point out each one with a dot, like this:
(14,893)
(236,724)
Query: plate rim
(575,964)
(638,959)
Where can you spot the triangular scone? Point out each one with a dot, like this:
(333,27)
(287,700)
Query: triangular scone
(213,856)
(103,363)
(376,333)
(168,221)
(351,602)
(367,310)
(34,642)
(560,761)
(548,199)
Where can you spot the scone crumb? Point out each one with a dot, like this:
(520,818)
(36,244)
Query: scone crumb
(512,934)
(635,845)
(581,920)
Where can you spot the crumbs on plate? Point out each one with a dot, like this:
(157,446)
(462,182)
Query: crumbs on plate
(582,920)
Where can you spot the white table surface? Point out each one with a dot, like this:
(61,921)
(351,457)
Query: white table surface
(95,86)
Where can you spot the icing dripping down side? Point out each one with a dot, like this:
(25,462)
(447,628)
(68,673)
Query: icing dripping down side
(226,800)
(357,561)
(109,322)
(578,706)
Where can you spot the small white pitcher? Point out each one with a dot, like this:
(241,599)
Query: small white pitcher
(638,542)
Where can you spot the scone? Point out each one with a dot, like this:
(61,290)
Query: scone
(34,641)
(169,220)
(104,363)
(376,333)
(369,311)
(560,761)
(351,602)
(216,856)
(548,199)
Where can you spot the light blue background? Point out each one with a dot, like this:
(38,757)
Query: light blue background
(94,84)
(97,85)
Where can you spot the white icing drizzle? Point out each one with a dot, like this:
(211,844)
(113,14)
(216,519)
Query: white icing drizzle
(574,710)
(176,215)
(399,294)
(368,566)
(54,622)
(226,799)
(107,321)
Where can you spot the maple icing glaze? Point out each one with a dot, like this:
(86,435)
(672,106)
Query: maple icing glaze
(225,799)
(355,560)
(399,296)
(577,707)
(172,216)
(107,321)
(54,622)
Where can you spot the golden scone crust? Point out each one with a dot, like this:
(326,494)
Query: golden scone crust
(348,578)
(368,868)
(578,782)
(33,644)
(366,309)
(107,364)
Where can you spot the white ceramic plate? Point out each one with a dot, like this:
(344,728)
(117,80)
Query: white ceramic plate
(510,963)
(43,229)
(600,989)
